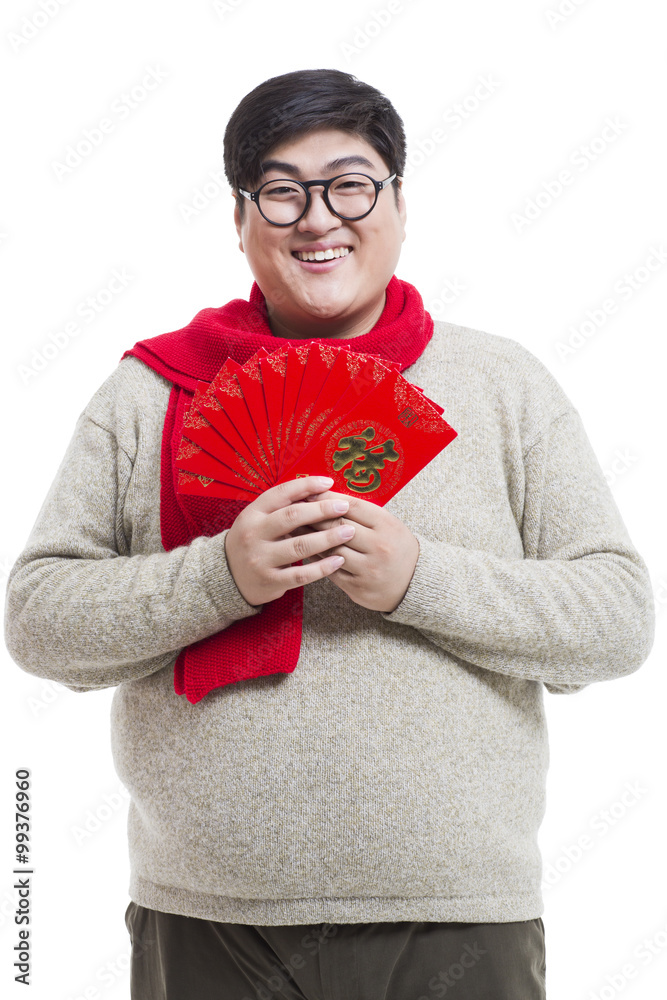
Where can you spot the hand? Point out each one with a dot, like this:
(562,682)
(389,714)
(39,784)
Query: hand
(380,558)
(260,548)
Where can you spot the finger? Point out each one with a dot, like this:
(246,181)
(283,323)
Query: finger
(304,546)
(303,529)
(361,541)
(286,519)
(300,576)
(328,522)
(290,492)
(360,511)
(355,562)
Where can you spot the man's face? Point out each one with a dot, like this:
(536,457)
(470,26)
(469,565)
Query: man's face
(338,297)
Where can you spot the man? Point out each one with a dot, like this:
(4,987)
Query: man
(352,806)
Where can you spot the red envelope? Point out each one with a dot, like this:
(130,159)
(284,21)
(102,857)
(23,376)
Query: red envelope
(250,381)
(312,410)
(212,430)
(349,380)
(320,359)
(272,370)
(379,445)
(203,487)
(294,370)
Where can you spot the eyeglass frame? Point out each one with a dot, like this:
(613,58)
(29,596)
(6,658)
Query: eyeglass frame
(326,184)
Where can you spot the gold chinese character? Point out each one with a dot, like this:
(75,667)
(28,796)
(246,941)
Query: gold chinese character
(365,463)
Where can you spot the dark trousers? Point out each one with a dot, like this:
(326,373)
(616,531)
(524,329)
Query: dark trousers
(185,958)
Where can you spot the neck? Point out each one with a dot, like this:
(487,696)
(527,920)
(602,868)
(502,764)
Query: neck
(340,329)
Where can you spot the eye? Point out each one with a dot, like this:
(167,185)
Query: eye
(281,190)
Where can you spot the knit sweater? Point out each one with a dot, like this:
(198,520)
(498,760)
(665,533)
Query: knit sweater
(399,772)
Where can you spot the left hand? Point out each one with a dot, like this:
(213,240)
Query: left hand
(380,558)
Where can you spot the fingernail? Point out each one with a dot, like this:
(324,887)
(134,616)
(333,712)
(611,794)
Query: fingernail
(338,561)
(323,480)
(340,506)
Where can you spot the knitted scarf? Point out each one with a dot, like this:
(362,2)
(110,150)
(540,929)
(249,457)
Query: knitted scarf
(268,642)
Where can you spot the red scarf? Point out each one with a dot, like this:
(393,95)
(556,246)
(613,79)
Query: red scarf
(270,641)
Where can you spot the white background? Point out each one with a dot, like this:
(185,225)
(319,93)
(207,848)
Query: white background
(554,84)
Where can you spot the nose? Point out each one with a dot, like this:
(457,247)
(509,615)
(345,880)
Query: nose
(318,218)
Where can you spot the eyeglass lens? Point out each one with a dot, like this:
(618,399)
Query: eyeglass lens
(283,201)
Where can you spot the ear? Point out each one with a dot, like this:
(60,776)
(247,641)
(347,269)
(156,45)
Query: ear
(237,222)
(401,206)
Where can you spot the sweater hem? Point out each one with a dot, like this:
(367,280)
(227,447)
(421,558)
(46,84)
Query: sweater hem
(369,909)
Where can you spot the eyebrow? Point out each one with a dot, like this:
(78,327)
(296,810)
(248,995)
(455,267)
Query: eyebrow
(341,161)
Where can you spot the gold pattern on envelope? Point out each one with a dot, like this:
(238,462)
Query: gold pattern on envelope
(407,397)
(366,458)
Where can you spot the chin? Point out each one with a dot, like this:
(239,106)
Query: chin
(328,306)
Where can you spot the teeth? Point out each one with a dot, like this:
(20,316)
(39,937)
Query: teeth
(329,254)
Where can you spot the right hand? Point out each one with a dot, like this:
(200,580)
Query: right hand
(260,548)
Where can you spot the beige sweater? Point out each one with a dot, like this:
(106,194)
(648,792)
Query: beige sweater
(399,772)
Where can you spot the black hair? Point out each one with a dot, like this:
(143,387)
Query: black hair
(296,103)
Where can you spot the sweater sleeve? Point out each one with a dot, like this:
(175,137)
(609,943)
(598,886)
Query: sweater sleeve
(577,608)
(79,610)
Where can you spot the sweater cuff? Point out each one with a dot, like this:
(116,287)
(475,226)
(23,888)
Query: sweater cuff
(432,586)
(219,582)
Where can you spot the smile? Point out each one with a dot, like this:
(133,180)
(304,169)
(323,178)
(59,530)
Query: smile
(329,254)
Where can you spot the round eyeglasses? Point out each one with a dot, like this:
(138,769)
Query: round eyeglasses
(283,202)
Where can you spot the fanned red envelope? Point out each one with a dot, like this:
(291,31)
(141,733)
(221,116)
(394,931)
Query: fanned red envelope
(312,410)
